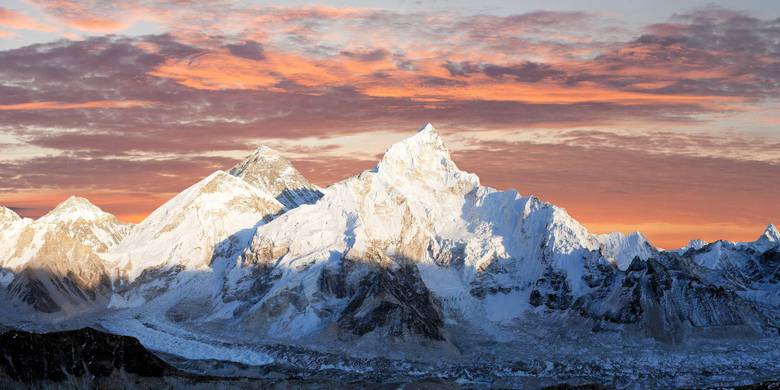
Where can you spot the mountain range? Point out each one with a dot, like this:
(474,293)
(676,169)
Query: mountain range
(412,258)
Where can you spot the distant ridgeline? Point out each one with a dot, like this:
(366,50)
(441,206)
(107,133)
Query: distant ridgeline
(411,254)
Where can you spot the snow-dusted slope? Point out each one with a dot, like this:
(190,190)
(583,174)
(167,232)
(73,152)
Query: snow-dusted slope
(669,297)
(56,260)
(273,174)
(183,234)
(11,227)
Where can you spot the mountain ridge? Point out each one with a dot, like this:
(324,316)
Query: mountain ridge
(413,254)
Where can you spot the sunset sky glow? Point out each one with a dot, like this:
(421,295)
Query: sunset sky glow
(658,118)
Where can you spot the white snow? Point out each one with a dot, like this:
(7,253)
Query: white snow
(417,205)
(175,341)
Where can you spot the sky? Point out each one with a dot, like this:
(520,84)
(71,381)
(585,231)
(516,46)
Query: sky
(661,117)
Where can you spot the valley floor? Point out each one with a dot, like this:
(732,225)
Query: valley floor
(536,353)
(529,356)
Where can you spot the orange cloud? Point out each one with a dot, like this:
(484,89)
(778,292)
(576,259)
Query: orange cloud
(18,20)
(52,105)
(219,70)
(336,71)
(548,93)
(215,72)
(96,24)
(93,16)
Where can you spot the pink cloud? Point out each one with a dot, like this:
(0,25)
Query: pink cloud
(51,105)
(18,20)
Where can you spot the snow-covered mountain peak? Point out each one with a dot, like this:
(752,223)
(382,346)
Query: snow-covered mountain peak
(428,128)
(219,181)
(695,244)
(427,140)
(75,208)
(78,218)
(185,230)
(263,165)
(264,152)
(768,239)
(55,260)
(771,233)
(273,174)
(622,249)
(423,157)
(216,192)
(8,216)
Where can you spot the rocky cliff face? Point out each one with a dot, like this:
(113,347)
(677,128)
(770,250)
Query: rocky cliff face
(749,268)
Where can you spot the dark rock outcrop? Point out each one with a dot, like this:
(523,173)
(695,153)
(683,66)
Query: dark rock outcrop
(57,356)
(552,290)
(396,300)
